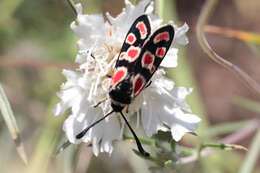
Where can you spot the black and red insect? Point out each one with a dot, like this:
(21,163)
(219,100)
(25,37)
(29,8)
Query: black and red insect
(140,56)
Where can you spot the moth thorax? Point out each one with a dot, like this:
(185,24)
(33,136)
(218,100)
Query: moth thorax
(122,92)
(117,107)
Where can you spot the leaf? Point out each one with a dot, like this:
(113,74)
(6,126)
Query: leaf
(185,152)
(168,163)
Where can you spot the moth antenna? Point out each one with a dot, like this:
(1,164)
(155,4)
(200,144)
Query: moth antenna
(138,143)
(81,134)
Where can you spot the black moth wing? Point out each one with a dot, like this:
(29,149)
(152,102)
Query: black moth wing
(135,31)
(151,56)
(121,87)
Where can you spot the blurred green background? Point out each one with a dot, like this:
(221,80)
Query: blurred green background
(36,43)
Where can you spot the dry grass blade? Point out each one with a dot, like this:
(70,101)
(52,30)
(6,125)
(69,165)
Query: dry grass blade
(238,147)
(11,124)
(240,35)
(207,9)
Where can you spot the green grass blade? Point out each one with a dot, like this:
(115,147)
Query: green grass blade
(10,121)
(252,156)
(247,104)
(47,142)
(224,128)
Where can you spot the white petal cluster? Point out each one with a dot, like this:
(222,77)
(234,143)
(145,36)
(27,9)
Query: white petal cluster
(162,104)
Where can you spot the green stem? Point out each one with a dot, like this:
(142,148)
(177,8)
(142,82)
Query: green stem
(151,142)
(72,5)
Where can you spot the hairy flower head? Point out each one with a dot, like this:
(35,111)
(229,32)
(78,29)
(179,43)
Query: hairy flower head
(161,106)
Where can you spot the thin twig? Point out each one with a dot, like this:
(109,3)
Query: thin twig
(203,18)
(233,138)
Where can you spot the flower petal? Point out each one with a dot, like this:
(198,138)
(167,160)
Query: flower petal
(104,132)
(180,35)
(182,123)
(79,8)
(170,60)
(167,115)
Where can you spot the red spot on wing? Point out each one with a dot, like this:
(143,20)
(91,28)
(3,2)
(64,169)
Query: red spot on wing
(160,52)
(142,29)
(133,53)
(138,84)
(162,36)
(148,58)
(153,69)
(121,56)
(119,75)
(130,38)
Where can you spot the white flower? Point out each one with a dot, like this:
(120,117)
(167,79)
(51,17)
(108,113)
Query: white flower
(162,104)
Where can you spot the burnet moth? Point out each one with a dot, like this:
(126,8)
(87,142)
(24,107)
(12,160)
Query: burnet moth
(140,56)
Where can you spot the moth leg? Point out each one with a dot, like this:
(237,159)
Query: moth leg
(86,52)
(100,102)
(148,84)
(92,56)
(127,107)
